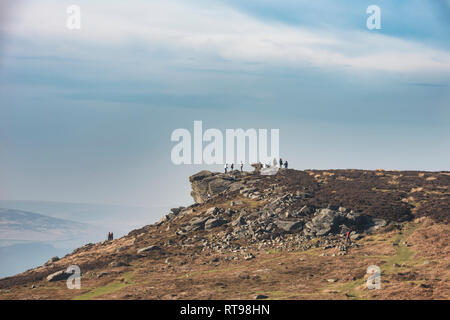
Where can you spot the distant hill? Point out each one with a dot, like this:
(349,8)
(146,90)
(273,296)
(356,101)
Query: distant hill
(108,217)
(28,226)
(28,239)
(33,231)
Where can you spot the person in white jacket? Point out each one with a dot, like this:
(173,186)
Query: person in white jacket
(226,167)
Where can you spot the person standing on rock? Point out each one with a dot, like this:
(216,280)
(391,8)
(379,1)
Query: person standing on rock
(242,166)
(226,167)
(285,164)
(232,166)
(281,163)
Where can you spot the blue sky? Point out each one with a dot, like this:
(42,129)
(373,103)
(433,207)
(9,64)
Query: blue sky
(86,115)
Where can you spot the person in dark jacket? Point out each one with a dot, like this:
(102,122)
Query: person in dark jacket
(281,163)
(285,164)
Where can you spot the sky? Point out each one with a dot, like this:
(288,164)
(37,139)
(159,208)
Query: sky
(86,115)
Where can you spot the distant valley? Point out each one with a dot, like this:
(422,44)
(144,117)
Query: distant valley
(33,231)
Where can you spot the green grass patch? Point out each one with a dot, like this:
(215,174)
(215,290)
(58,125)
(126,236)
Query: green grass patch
(109,288)
(350,288)
(404,254)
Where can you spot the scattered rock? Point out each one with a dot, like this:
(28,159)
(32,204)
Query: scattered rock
(148,249)
(51,261)
(59,275)
(212,211)
(116,264)
(213,223)
(249,256)
(289,226)
(238,221)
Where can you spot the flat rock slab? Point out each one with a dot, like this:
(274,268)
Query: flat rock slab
(148,249)
(58,276)
(212,223)
(289,226)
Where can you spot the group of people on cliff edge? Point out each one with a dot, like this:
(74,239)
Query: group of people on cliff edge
(285,164)
(225,166)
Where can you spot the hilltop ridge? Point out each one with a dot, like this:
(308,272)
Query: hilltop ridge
(242,221)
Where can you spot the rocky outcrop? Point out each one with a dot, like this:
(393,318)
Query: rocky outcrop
(206,184)
(326,221)
(278,213)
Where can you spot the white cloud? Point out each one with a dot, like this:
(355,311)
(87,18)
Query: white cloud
(210,28)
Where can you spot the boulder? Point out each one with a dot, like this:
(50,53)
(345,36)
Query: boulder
(51,261)
(212,211)
(165,218)
(102,274)
(239,221)
(324,222)
(116,264)
(376,224)
(176,211)
(235,187)
(361,222)
(58,276)
(197,223)
(148,249)
(213,223)
(258,166)
(289,226)
(249,256)
(306,210)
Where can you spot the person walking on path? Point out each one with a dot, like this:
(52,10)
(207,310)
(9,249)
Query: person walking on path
(347,238)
